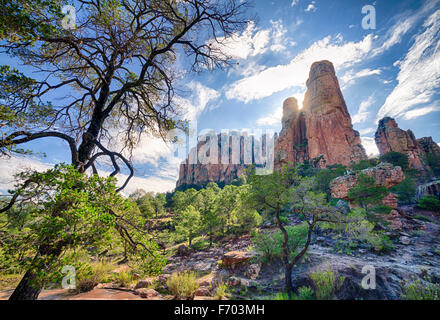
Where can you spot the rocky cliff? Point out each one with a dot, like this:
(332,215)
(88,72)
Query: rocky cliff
(389,137)
(231,154)
(291,146)
(321,131)
(323,128)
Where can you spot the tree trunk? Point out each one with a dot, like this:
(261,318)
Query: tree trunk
(25,289)
(288,279)
(29,288)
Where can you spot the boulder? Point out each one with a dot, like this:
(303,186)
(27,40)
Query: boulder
(253,271)
(202,292)
(146,293)
(234,258)
(144,283)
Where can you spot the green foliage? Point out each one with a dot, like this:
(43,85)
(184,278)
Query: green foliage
(433,161)
(324,176)
(406,190)
(326,283)
(188,223)
(72,210)
(268,246)
(222,291)
(356,226)
(364,164)
(124,278)
(365,192)
(415,289)
(429,202)
(183,285)
(305,293)
(396,159)
(90,275)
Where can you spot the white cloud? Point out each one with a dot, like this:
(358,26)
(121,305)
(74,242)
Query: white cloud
(419,75)
(415,113)
(311,7)
(363,111)
(9,167)
(272,119)
(281,77)
(294,3)
(370,146)
(366,131)
(350,76)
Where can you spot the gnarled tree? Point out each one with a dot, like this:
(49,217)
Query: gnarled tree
(110,72)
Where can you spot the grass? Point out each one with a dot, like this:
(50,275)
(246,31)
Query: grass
(96,273)
(183,285)
(9,281)
(415,289)
(222,291)
(326,283)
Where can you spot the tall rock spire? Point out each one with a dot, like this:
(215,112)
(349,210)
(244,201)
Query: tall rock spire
(330,132)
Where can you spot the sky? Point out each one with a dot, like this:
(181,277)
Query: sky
(390,70)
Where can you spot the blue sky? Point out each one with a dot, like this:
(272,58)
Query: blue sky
(393,70)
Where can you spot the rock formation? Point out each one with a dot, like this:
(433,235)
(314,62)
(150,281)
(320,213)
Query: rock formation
(291,146)
(233,154)
(323,128)
(389,137)
(384,174)
(329,129)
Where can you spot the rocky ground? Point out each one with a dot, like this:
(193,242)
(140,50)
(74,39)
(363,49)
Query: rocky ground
(416,253)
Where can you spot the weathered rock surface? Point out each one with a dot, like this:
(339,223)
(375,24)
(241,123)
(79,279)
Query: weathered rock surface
(234,258)
(384,174)
(231,155)
(389,137)
(291,146)
(329,129)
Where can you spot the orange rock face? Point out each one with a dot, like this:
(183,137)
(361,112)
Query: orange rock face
(389,137)
(291,146)
(329,129)
(384,174)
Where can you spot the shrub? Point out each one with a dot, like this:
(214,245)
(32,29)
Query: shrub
(366,192)
(268,246)
(88,276)
(124,278)
(406,190)
(416,290)
(326,283)
(248,220)
(183,285)
(222,291)
(429,202)
(305,293)
(396,159)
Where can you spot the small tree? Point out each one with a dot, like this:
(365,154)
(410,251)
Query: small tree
(283,189)
(366,192)
(189,224)
(396,159)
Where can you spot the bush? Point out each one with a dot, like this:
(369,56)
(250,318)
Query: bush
(124,278)
(248,220)
(269,246)
(406,191)
(429,202)
(222,291)
(183,285)
(305,293)
(396,159)
(88,276)
(416,290)
(326,283)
